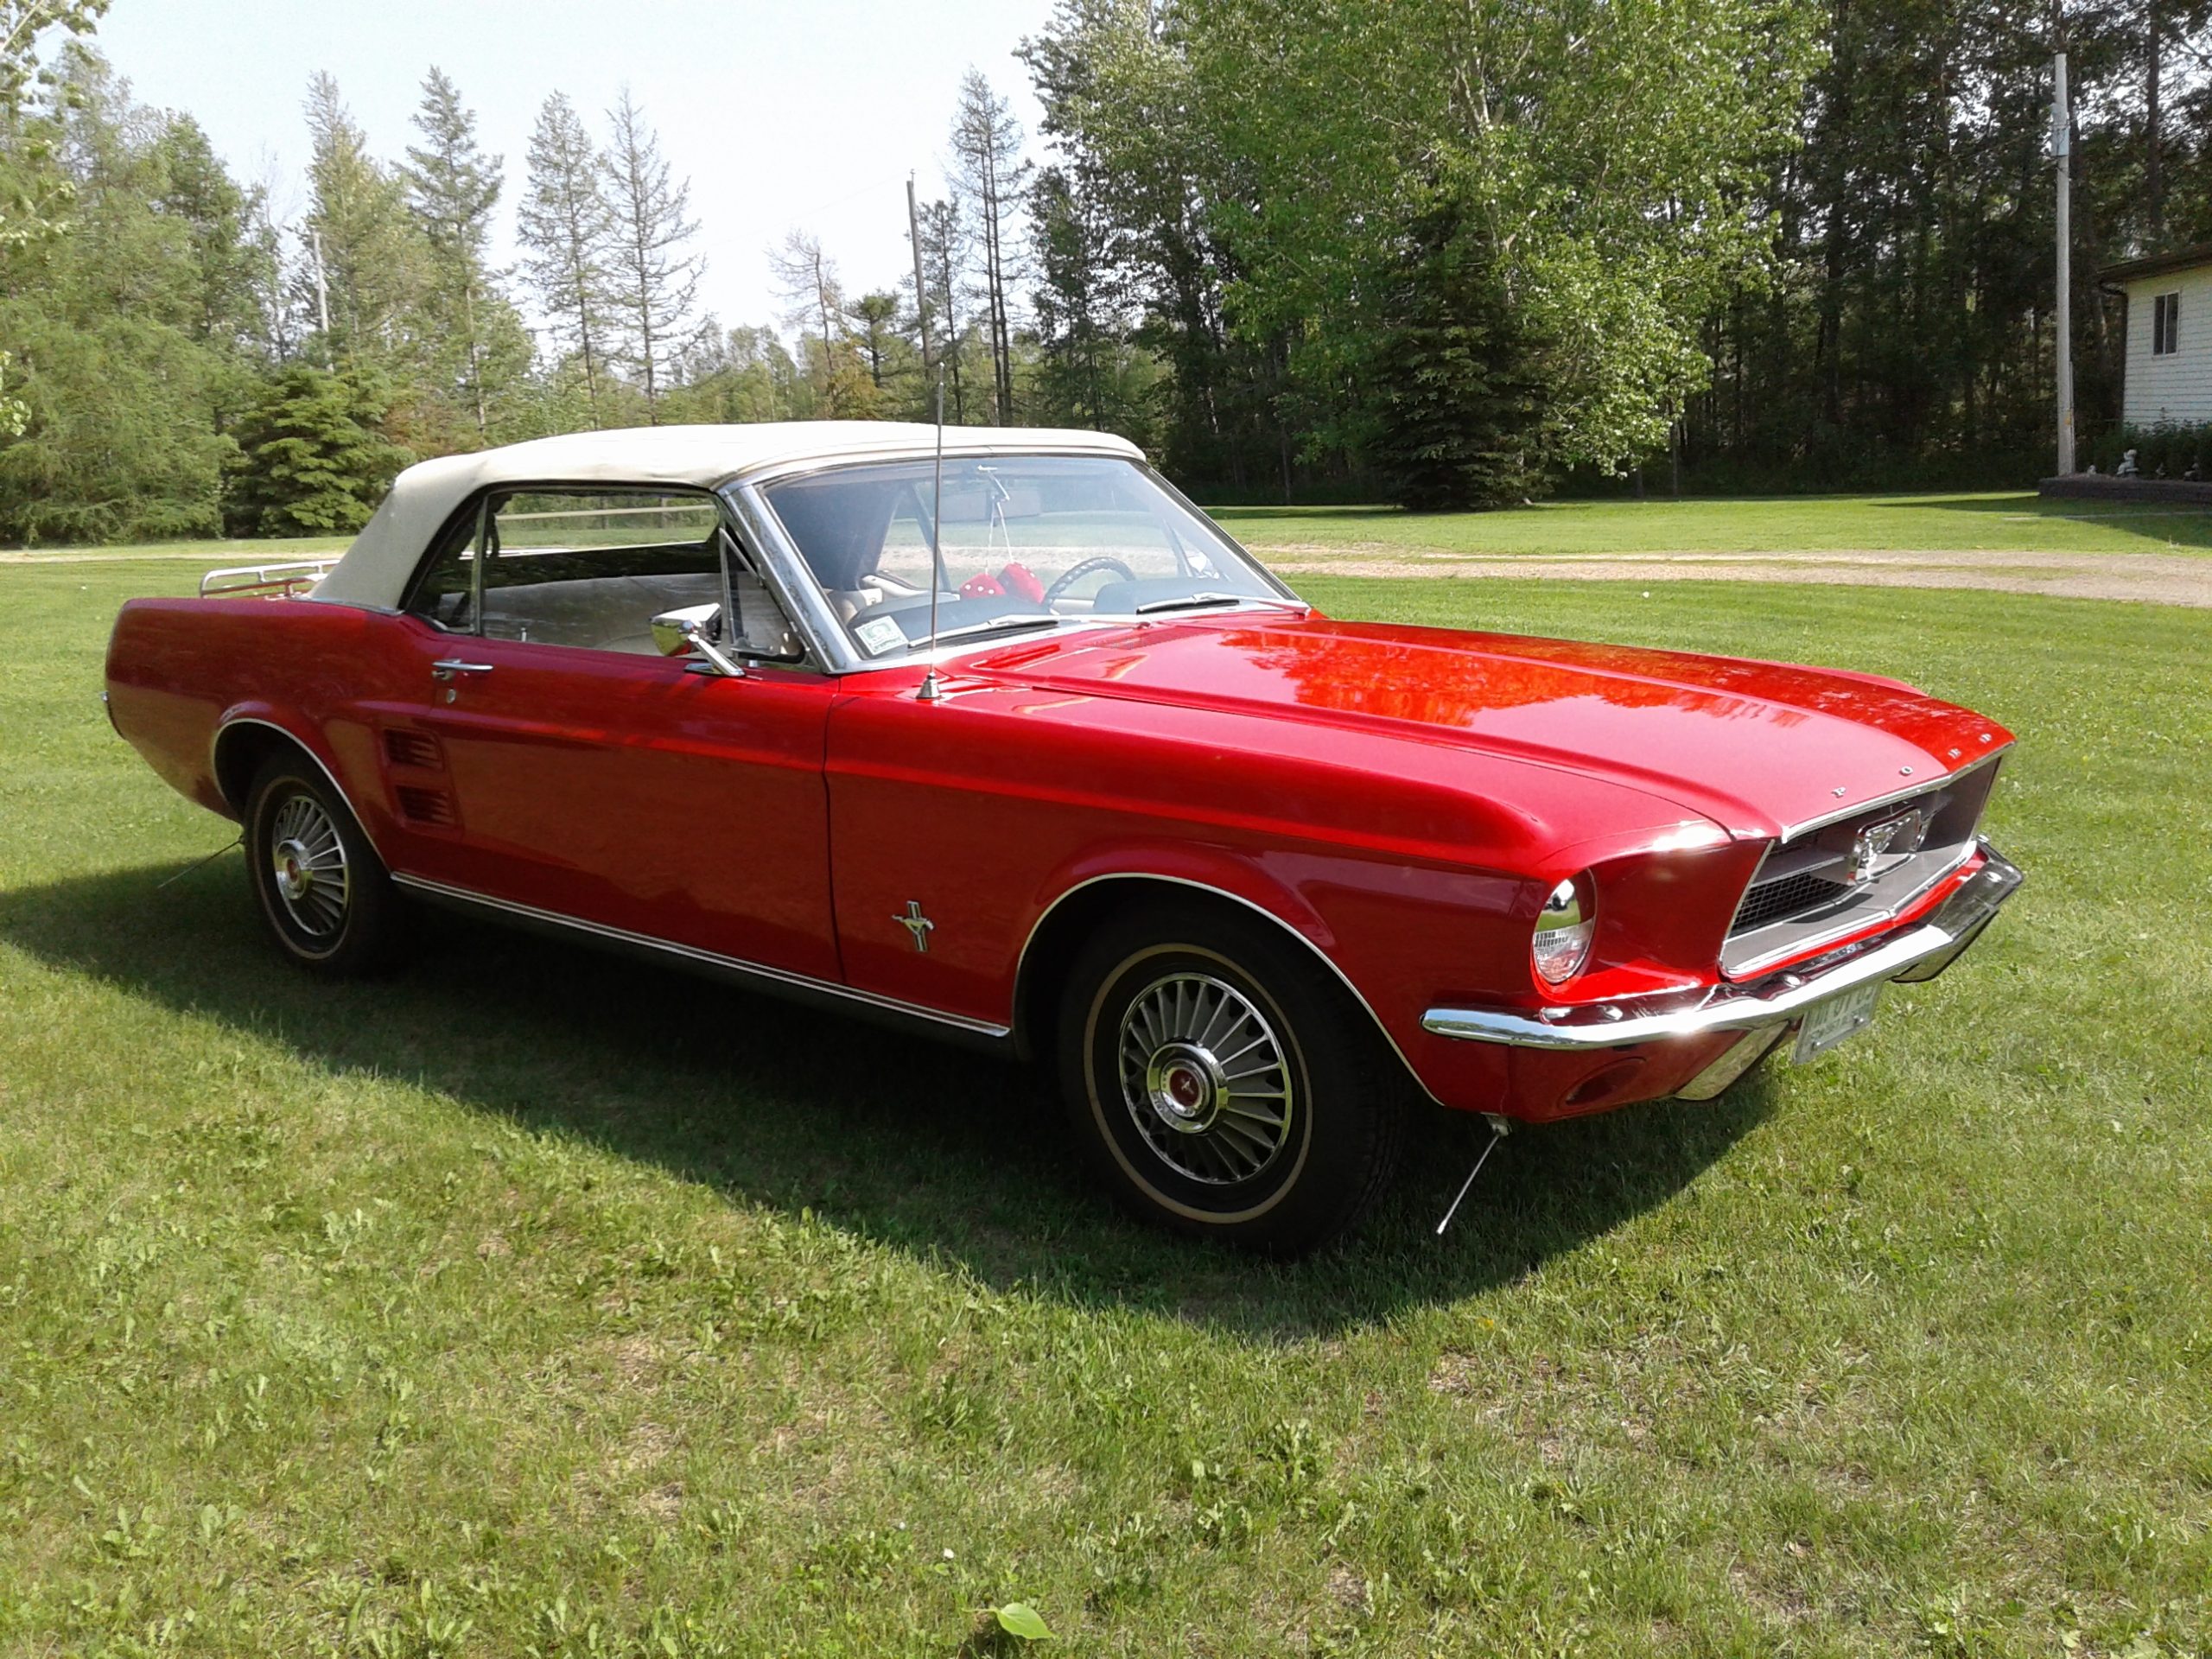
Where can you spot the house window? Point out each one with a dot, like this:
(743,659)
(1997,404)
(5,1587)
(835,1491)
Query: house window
(2166,325)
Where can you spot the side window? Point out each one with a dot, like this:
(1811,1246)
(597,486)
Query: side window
(445,591)
(594,568)
(2166,325)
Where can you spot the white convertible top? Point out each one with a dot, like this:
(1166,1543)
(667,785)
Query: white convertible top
(376,568)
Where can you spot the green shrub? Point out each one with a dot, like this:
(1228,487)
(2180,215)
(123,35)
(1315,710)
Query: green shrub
(2168,449)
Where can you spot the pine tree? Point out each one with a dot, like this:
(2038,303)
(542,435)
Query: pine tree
(1457,388)
(1080,306)
(452,189)
(878,317)
(653,278)
(989,169)
(567,229)
(311,459)
(368,268)
(945,242)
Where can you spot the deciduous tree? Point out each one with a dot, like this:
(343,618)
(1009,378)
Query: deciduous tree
(130,359)
(34,196)
(807,279)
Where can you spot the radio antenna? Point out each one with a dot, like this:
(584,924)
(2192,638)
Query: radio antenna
(928,691)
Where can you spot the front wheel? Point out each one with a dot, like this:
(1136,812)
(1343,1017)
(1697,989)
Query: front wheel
(322,890)
(1225,1087)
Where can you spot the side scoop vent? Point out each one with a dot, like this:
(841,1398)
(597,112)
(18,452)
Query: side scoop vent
(417,749)
(432,808)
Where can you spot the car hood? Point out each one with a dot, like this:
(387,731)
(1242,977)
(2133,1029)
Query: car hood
(1757,747)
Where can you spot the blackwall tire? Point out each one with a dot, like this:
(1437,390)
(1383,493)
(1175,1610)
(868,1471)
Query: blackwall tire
(322,891)
(1224,1085)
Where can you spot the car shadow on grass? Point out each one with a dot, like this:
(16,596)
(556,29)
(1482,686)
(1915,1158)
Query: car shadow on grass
(922,1147)
(2160,521)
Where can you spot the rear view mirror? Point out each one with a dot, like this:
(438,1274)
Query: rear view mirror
(967,504)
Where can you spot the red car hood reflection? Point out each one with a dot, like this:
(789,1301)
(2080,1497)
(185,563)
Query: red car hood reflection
(1755,747)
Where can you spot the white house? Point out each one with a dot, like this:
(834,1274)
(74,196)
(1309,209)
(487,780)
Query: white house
(2169,375)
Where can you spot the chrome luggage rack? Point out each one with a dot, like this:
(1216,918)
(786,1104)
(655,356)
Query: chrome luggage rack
(272,581)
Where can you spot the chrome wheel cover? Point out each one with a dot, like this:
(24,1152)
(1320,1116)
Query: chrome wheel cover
(1204,1079)
(308,864)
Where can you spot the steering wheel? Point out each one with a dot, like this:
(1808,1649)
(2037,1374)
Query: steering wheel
(1067,577)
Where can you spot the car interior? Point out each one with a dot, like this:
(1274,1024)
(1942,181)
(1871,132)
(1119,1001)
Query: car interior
(1071,537)
(592,572)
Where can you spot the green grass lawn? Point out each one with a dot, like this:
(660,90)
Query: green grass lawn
(530,1302)
(1931,523)
(271,551)
(2001,522)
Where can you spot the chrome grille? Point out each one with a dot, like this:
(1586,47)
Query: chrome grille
(1788,895)
(1822,883)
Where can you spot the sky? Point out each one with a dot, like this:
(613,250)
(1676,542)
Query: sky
(808,114)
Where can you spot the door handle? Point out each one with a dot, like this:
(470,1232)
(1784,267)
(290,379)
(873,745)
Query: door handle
(452,666)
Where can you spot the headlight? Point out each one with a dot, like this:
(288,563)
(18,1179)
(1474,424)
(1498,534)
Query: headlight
(1563,929)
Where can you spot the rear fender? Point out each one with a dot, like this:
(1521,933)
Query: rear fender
(250,725)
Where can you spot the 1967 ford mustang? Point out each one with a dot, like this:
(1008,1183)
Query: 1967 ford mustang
(1005,741)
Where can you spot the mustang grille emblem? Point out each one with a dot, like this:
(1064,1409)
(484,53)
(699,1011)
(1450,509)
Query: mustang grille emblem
(1902,834)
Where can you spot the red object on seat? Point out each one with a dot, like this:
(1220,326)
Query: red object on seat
(980,585)
(1019,580)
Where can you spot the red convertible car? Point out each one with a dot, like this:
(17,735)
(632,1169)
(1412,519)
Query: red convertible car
(1000,739)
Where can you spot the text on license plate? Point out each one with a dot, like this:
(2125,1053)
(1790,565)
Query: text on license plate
(1829,1022)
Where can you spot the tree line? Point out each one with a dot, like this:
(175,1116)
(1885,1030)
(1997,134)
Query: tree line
(1440,253)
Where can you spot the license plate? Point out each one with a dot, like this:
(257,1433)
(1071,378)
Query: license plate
(1827,1023)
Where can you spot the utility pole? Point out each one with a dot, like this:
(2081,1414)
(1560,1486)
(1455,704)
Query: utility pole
(2062,148)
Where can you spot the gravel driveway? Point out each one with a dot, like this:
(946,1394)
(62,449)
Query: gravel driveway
(2151,578)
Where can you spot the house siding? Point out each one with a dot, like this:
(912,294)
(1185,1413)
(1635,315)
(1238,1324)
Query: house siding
(2177,387)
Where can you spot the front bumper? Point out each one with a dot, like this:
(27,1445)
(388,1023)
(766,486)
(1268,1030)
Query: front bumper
(1921,953)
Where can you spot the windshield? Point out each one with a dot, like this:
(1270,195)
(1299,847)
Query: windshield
(1028,541)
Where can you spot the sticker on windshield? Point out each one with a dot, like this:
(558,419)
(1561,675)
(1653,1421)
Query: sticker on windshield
(878,634)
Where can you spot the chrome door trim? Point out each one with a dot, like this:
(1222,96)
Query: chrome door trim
(776,978)
(1021,966)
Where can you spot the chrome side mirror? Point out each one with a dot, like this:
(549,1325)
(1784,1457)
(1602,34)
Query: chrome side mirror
(673,630)
(693,628)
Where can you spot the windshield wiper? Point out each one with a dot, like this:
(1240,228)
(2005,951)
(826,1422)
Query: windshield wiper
(1201,601)
(994,623)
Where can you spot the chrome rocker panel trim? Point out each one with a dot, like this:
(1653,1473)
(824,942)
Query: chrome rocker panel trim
(1920,954)
(750,976)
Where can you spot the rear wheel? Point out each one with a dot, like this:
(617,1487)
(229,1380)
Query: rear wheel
(321,888)
(1225,1087)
